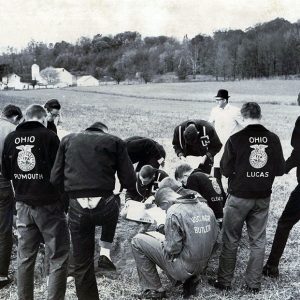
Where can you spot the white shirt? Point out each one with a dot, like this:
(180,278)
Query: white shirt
(89,203)
(226,122)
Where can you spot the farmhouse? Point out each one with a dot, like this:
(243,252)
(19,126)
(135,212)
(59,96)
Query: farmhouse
(13,81)
(87,80)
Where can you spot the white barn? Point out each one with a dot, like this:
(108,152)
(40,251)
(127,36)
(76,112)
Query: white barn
(87,80)
(13,81)
(65,77)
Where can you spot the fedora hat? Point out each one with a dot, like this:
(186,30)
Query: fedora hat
(222,94)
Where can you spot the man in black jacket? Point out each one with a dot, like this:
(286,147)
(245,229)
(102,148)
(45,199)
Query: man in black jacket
(10,117)
(145,151)
(197,138)
(204,184)
(291,214)
(85,169)
(251,160)
(147,180)
(28,156)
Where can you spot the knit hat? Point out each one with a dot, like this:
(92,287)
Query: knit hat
(190,134)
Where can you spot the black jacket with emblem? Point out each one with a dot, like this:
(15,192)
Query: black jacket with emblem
(208,187)
(28,156)
(208,143)
(142,192)
(87,162)
(252,158)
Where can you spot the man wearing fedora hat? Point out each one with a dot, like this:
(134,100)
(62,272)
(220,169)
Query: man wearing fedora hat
(226,120)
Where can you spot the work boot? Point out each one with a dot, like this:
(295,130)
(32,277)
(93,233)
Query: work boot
(152,294)
(218,285)
(5,282)
(190,287)
(271,271)
(251,290)
(104,263)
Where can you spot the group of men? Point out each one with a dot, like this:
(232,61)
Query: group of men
(78,173)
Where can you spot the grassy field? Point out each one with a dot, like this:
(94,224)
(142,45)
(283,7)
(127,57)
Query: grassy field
(154,110)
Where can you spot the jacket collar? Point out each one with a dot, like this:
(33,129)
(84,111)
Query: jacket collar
(257,126)
(94,129)
(188,199)
(30,125)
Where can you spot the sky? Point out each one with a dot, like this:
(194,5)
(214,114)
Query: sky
(57,20)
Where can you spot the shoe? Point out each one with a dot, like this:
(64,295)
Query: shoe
(190,287)
(105,263)
(252,290)
(271,271)
(151,294)
(218,285)
(4,283)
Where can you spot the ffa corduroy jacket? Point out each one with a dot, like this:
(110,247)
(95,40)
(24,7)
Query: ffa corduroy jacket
(251,160)
(208,143)
(27,159)
(208,187)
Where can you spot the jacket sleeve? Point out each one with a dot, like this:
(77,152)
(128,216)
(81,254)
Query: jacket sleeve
(173,243)
(150,147)
(177,136)
(279,159)
(125,169)
(228,159)
(57,172)
(294,159)
(6,162)
(215,144)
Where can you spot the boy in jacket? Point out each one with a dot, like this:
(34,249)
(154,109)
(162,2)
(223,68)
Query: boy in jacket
(291,214)
(147,181)
(27,159)
(197,138)
(190,233)
(145,151)
(85,168)
(204,184)
(251,160)
(10,117)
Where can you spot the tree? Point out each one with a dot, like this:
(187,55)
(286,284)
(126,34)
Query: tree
(50,75)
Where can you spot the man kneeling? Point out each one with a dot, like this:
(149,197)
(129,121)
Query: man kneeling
(190,233)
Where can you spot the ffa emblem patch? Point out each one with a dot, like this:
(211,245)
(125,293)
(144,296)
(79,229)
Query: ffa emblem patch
(215,185)
(258,156)
(26,160)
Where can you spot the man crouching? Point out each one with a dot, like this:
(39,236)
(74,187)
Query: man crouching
(190,234)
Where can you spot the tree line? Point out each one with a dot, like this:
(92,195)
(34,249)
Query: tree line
(265,50)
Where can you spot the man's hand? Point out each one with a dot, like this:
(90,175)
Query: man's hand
(149,202)
(181,155)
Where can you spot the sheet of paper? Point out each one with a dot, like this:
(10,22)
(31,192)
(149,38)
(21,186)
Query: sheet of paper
(137,212)
(157,214)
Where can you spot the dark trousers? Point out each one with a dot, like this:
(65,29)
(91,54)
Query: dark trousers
(289,217)
(255,213)
(82,227)
(218,176)
(49,223)
(6,223)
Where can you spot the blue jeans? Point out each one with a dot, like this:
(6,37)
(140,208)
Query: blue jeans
(6,223)
(253,212)
(82,223)
(49,223)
